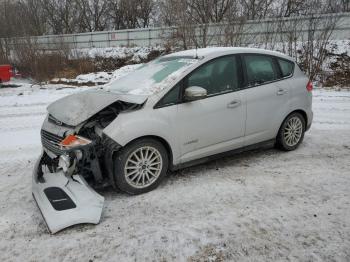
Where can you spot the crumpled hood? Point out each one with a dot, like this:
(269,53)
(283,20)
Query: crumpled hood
(75,109)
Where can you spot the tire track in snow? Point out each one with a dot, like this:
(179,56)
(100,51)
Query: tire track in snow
(22,115)
(32,122)
(24,105)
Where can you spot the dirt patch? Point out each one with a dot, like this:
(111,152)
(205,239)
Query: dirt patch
(209,253)
(340,72)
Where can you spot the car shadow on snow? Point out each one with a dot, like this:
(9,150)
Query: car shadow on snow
(241,160)
(113,197)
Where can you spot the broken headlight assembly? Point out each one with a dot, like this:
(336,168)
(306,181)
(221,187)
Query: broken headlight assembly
(72,145)
(74,141)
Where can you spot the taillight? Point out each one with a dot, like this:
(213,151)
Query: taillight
(309,86)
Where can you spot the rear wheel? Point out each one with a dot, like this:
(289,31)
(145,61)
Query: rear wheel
(291,133)
(140,166)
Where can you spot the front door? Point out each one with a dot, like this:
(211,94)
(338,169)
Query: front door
(213,124)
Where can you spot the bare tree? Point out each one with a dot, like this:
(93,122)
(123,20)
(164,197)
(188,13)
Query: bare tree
(93,15)
(233,32)
(116,14)
(4,51)
(10,25)
(33,17)
(130,16)
(125,14)
(205,13)
(175,12)
(39,17)
(314,48)
(145,10)
(61,15)
(185,14)
(288,8)
(255,9)
(345,5)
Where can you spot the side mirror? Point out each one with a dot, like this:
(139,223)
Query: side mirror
(193,93)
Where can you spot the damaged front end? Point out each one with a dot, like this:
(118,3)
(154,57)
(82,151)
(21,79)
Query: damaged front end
(64,200)
(77,157)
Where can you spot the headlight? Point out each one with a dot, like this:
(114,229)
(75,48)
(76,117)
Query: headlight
(72,141)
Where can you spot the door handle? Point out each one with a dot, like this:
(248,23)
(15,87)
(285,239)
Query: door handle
(234,103)
(281,91)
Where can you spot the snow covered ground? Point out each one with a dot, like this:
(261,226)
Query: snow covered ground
(98,78)
(135,54)
(261,205)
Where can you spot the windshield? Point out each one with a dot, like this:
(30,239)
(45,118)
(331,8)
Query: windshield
(152,77)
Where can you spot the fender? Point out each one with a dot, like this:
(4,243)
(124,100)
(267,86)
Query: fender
(129,126)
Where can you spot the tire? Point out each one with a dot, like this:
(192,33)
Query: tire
(136,176)
(291,132)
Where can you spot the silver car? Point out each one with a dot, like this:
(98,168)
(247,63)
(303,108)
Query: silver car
(178,110)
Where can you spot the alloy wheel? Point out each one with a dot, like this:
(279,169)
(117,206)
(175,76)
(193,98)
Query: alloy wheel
(293,131)
(143,167)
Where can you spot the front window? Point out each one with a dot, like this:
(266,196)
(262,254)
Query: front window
(218,76)
(172,97)
(152,77)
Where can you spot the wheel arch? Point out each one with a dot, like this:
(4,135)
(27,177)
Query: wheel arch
(300,111)
(279,143)
(163,141)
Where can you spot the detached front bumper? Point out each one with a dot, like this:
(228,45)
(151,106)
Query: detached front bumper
(65,200)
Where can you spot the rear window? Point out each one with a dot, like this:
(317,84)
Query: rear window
(287,67)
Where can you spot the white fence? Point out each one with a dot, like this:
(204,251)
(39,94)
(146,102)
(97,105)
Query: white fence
(249,32)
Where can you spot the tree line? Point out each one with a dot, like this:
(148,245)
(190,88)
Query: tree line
(40,17)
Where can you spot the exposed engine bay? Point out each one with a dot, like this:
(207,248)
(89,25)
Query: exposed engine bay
(92,158)
(77,157)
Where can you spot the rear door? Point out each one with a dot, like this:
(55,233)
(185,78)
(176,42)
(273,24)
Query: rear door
(267,97)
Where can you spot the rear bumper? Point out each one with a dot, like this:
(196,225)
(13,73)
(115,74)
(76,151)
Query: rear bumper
(63,200)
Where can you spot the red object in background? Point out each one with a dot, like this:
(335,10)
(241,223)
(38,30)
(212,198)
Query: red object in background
(5,73)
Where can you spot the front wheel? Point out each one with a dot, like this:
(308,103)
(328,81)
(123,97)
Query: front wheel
(291,133)
(140,166)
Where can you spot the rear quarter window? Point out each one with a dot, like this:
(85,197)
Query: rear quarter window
(287,67)
(260,69)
